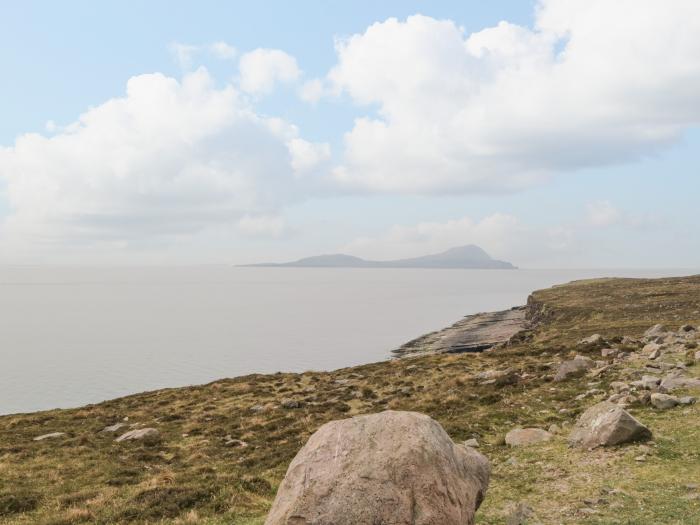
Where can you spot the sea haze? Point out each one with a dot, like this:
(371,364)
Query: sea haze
(72,336)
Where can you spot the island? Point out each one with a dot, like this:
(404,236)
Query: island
(461,257)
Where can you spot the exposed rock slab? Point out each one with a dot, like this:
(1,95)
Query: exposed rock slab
(474,333)
(393,467)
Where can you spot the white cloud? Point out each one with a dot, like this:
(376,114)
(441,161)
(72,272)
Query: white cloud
(169,159)
(223,50)
(183,54)
(261,69)
(594,83)
(312,91)
(604,214)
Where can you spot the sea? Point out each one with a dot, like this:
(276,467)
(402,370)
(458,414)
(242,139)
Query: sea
(72,336)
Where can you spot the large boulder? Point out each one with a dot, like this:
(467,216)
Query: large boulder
(607,424)
(388,468)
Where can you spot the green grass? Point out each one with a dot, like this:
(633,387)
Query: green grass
(191,475)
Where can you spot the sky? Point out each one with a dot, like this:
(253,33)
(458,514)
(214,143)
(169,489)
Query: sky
(558,133)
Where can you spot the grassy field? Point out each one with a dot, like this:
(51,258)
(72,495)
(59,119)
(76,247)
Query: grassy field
(223,448)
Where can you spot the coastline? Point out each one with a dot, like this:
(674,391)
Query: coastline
(216,453)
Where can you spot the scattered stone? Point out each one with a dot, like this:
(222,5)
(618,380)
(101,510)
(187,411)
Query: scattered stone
(607,424)
(573,368)
(350,469)
(553,428)
(471,443)
(650,348)
(686,400)
(656,330)
(591,340)
(675,379)
(619,386)
(609,352)
(49,436)
(290,403)
(233,442)
(647,382)
(519,437)
(663,401)
(139,433)
(113,428)
(687,328)
(257,408)
(655,354)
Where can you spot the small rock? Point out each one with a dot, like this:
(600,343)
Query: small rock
(686,400)
(140,433)
(553,429)
(290,403)
(471,443)
(687,328)
(519,437)
(573,368)
(650,348)
(232,442)
(591,340)
(663,401)
(609,352)
(647,382)
(49,436)
(606,424)
(655,354)
(113,428)
(657,329)
(619,386)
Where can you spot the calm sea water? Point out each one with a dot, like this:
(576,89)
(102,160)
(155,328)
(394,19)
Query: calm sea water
(73,336)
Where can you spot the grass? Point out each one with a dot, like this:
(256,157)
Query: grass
(196,471)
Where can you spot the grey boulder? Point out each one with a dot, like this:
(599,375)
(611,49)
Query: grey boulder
(607,424)
(663,401)
(391,467)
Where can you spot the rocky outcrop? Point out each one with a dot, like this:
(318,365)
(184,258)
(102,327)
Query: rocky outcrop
(390,467)
(607,424)
(474,333)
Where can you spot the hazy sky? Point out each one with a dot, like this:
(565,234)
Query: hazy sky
(562,133)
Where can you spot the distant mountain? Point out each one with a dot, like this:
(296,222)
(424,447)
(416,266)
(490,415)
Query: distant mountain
(469,256)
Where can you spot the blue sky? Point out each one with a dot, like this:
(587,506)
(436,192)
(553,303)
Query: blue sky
(592,186)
